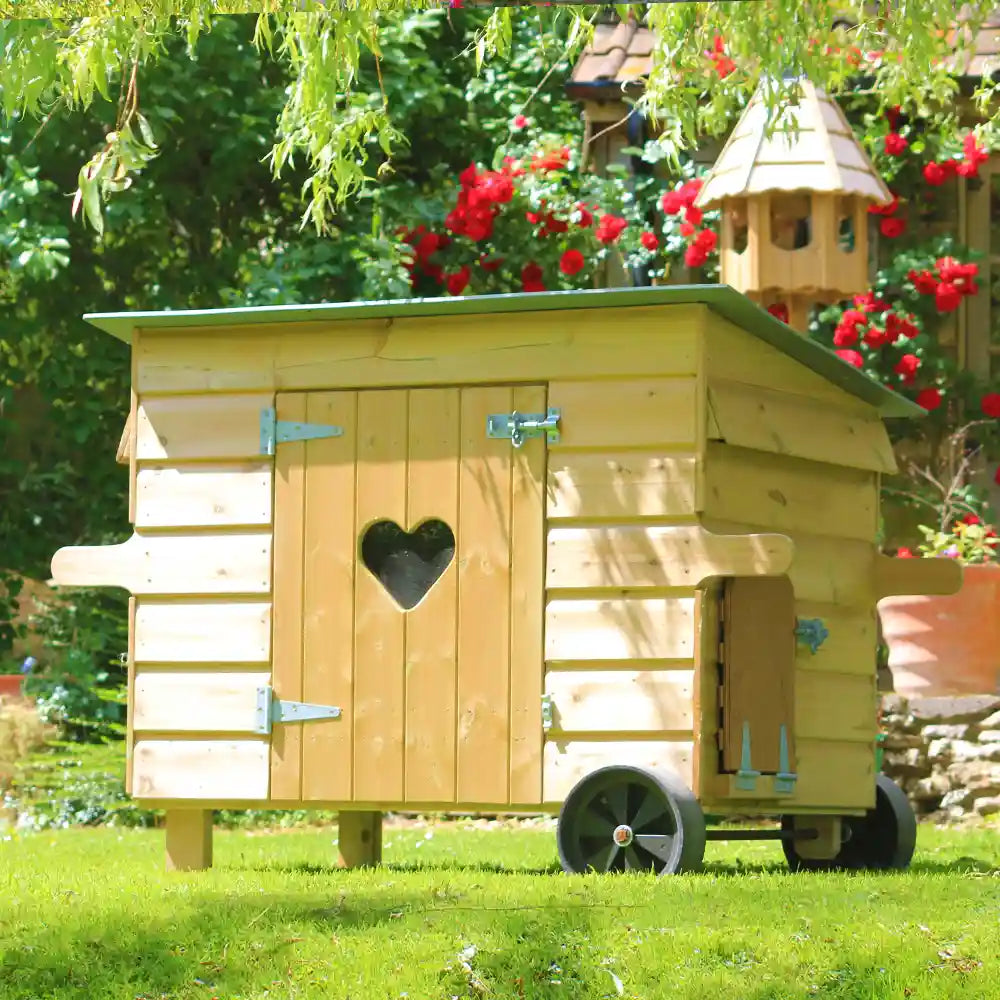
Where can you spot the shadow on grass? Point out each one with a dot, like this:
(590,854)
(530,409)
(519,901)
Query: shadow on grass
(406,867)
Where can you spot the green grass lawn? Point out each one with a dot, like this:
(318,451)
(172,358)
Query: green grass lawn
(461,910)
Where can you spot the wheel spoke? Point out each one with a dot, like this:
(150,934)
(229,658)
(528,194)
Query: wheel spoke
(617,798)
(602,859)
(593,824)
(651,807)
(660,845)
(632,860)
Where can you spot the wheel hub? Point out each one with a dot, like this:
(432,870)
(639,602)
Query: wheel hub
(623,835)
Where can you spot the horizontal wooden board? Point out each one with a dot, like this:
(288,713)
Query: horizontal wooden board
(638,413)
(850,647)
(190,701)
(621,701)
(412,351)
(835,706)
(790,494)
(566,762)
(216,426)
(620,629)
(203,631)
(621,485)
(835,774)
(171,564)
(731,354)
(826,570)
(786,424)
(200,496)
(204,770)
(677,556)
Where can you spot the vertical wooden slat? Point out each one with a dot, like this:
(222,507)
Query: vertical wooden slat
(328,597)
(132,472)
(527,555)
(379,624)
(431,627)
(130,697)
(286,645)
(483,601)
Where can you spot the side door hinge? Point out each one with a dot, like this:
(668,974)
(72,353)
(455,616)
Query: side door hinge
(274,431)
(515,427)
(271,710)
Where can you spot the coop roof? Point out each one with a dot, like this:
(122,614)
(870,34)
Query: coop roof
(621,54)
(810,147)
(721,299)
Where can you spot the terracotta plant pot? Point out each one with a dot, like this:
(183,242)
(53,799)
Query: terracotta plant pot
(10,685)
(946,645)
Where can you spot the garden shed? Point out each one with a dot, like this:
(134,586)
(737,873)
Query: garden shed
(458,554)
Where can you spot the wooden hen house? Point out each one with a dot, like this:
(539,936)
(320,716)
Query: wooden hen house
(466,554)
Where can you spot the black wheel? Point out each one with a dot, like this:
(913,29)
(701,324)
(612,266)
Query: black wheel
(884,838)
(623,818)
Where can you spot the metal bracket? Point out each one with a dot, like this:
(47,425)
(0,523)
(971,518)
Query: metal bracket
(811,632)
(518,426)
(271,710)
(784,780)
(746,776)
(274,431)
(548,712)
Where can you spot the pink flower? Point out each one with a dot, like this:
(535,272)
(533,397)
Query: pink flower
(520,122)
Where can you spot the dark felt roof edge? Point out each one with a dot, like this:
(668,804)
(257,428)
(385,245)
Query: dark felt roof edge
(721,299)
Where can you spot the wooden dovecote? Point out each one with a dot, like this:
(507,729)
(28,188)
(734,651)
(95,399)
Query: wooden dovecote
(794,200)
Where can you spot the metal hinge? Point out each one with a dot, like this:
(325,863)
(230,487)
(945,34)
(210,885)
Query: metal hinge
(271,710)
(784,780)
(518,426)
(746,776)
(274,431)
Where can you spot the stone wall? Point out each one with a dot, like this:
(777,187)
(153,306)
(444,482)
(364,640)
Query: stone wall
(945,753)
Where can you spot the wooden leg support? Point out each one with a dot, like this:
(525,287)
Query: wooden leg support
(826,845)
(189,839)
(359,839)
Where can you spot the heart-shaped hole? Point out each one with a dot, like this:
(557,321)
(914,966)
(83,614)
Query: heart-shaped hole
(408,563)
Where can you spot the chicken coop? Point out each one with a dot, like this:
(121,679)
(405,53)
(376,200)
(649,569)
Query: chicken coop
(609,554)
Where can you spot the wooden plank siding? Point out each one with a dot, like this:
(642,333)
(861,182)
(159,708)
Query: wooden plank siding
(414,351)
(624,555)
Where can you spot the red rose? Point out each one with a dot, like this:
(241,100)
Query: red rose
(924,282)
(490,265)
(895,144)
(695,256)
(996,476)
(935,174)
(929,399)
(531,278)
(586,219)
(609,228)
(693,215)
(672,203)
(553,225)
(875,337)
(779,310)
(990,404)
(571,262)
(889,209)
(687,229)
(520,122)
(707,240)
(892,228)
(456,282)
(846,335)
(971,519)
(904,553)
(853,318)
(947,298)
(892,116)
(867,303)
(468,176)
(906,368)
(649,240)
(851,357)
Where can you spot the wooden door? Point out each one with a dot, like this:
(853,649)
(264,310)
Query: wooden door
(758,671)
(440,691)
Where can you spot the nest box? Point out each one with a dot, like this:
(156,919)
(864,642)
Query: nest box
(794,196)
